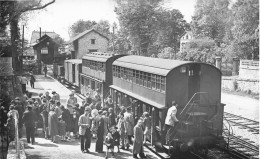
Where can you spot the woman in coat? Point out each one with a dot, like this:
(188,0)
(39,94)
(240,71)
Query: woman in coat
(138,140)
(100,135)
(129,123)
(53,125)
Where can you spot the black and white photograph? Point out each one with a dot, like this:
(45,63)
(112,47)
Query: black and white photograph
(129,79)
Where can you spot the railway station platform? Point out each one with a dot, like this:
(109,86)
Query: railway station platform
(45,149)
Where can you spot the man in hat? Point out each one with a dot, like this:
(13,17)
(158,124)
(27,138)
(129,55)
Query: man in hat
(29,122)
(55,96)
(138,140)
(170,119)
(129,125)
(84,130)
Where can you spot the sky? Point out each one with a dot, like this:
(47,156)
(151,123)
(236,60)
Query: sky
(59,16)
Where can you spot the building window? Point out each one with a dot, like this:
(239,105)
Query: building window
(93,41)
(92,50)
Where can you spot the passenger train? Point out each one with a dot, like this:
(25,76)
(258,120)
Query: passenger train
(150,85)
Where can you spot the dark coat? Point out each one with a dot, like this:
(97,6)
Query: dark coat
(100,134)
(138,140)
(67,118)
(116,137)
(112,119)
(29,118)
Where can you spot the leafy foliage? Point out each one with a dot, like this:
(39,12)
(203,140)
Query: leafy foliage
(148,26)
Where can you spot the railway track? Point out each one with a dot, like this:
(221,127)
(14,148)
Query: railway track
(242,123)
(238,146)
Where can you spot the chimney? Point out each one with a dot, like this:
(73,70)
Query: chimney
(40,32)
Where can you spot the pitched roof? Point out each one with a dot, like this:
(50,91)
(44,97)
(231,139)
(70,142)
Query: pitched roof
(36,35)
(84,33)
(187,32)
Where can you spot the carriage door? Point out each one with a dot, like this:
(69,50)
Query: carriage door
(193,80)
(73,73)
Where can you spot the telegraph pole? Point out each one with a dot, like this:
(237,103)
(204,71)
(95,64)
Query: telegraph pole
(113,39)
(22,50)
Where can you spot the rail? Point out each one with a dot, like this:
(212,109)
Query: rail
(236,145)
(230,129)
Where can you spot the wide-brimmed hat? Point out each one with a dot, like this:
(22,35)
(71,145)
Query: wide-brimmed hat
(17,98)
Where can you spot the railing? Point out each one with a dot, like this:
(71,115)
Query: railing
(230,131)
(17,141)
(14,152)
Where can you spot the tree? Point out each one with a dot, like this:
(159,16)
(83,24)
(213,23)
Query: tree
(201,50)
(210,19)
(80,26)
(135,19)
(58,40)
(245,30)
(16,9)
(168,27)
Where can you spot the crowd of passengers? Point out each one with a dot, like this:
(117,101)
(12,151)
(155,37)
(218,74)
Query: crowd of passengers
(90,120)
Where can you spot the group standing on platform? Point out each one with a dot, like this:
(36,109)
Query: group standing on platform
(90,120)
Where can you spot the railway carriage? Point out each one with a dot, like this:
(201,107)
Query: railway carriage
(151,84)
(97,73)
(72,69)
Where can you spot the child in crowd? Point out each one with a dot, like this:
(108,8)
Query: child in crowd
(109,142)
(116,138)
(62,128)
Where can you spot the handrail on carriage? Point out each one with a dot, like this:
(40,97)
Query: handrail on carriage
(189,102)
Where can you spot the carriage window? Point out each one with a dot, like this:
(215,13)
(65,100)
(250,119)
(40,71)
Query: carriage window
(122,72)
(149,84)
(158,82)
(114,71)
(82,80)
(130,75)
(134,76)
(118,71)
(87,82)
(163,82)
(137,77)
(141,78)
(153,81)
(125,73)
(145,79)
